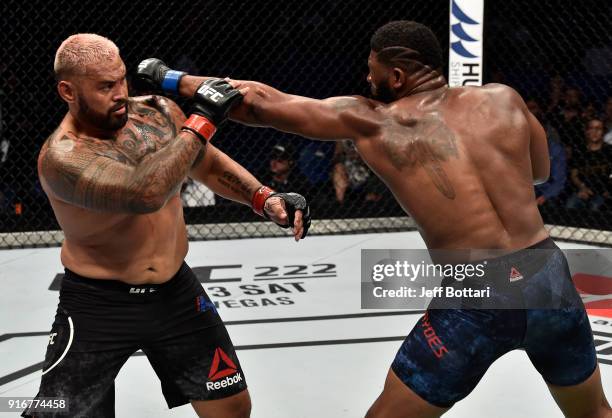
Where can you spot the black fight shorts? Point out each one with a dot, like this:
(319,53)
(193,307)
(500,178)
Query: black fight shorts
(100,323)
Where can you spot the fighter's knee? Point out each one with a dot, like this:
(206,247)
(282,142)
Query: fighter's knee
(244,409)
(370,414)
(376,411)
(236,406)
(241,407)
(601,413)
(604,411)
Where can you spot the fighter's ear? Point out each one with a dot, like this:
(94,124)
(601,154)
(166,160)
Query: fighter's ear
(398,77)
(66,91)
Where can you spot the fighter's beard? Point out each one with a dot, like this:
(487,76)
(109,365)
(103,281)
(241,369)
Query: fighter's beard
(384,93)
(107,122)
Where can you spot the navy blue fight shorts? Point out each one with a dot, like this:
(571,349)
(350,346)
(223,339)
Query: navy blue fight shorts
(449,350)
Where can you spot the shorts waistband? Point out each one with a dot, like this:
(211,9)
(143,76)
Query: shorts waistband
(121,286)
(512,267)
(533,251)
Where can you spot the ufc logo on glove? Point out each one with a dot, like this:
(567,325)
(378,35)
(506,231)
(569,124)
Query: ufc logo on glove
(212,93)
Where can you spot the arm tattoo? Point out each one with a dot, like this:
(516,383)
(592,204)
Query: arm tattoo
(136,172)
(233,183)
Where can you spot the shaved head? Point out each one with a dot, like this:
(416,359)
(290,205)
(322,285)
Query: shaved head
(80,50)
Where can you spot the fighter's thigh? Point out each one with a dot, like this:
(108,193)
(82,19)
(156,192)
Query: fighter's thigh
(559,343)
(200,366)
(448,351)
(584,400)
(82,372)
(399,401)
(235,406)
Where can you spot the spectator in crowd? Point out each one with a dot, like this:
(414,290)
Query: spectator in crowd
(547,193)
(4,149)
(591,168)
(6,194)
(589,111)
(283,175)
(566,118)
(4,142)
(314,162)
(6,200)
(608,121)
(555,93)
(352,178)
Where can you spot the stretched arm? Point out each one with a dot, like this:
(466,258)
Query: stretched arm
(509,98)
(86,172)
(229,179)
(225,176)
(335,118)
(538,149)
(558,172)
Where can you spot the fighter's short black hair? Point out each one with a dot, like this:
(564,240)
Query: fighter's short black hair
(411,35)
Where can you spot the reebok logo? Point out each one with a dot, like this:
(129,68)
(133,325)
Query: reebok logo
(215,374)
(228,381)
(210,92)
(515,275)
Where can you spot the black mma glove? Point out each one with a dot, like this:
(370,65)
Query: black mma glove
(214,98)
(154,74)
(212,102)
(293,202)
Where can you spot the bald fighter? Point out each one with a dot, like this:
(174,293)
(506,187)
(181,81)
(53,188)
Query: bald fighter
(112,171)
(462,162)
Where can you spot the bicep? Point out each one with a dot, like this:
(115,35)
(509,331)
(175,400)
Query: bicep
(202,169)
(89,181)
(538,149)
(335,118)
(329,119)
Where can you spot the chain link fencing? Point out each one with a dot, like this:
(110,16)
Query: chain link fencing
(318,49)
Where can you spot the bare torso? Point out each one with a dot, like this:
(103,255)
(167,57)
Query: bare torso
(458,162)
(134,248)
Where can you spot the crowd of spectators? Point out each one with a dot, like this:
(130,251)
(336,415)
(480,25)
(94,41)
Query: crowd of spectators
(338,182)
(579,132)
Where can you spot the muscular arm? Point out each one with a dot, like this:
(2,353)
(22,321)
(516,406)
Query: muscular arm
(538,150)
(225,176)
(335,118)
(508,98)
(87,173)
